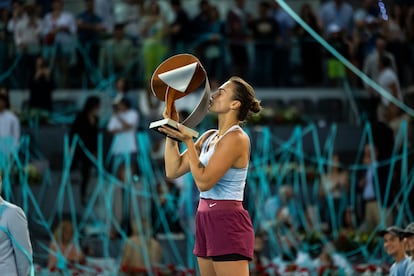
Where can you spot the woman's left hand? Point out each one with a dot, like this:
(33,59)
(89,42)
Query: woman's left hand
(178,134)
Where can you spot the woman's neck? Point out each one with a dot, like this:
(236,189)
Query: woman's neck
(225,123)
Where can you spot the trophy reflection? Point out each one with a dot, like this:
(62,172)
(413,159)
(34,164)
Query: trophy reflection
(177,77)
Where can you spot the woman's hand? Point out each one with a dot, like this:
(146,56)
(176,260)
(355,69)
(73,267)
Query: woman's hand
(177,134)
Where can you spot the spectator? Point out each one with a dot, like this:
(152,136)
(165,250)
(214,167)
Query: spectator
(9,130)
(4,90)
(371,69)
(18,15)
(153,31)
(105,10)
(122,90)
(59,38)
(4,40)
(388,80)
(364,38)
(164,213)
(236,27)
(136,248)
(395,30)
(409,241)
(16,255)
(123,127)
(90,29)
(369,8)
(367,183)
(86,126)
(200,23)
(27,38)
(281,209)
(41,86)
(334,192)
(179,29)
(335,69)
(338,12)
(282,61)
(265,33)
(45,6)
(394,247)
(310,49)
(117,54)
(128,13)
(215,52)
(378,176)
(371,61)
(64,250)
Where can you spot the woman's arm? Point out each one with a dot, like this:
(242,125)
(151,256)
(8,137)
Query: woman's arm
(176,163)
(231,151)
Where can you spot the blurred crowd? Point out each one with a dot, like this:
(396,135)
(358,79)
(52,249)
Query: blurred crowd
(109,39)
(44,47)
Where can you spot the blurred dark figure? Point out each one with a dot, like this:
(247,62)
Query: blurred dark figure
(27,38)
(90,28)
(179,29)
(236,26)
(310,49)
(41,86)
(265,32)
(336,72)
(4,91)
(4,40)
(164,209)
(86,126)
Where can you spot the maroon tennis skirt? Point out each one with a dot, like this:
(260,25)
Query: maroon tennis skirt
(223,227)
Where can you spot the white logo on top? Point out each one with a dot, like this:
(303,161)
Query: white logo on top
(212,204)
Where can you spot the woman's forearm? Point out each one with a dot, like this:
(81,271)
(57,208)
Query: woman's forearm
(173,158)
(196,166)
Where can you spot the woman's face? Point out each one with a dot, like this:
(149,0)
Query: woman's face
(222,99)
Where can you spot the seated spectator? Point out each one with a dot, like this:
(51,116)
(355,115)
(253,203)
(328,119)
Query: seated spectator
(394,246)
(165,218)
(138,249)
(409,242)
(281,209)
(64,248)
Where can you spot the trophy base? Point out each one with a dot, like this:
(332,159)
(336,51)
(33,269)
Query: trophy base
(173,124)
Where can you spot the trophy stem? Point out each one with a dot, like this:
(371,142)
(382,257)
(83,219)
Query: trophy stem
(170,106)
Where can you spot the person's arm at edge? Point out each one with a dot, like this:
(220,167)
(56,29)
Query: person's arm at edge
(21,242)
